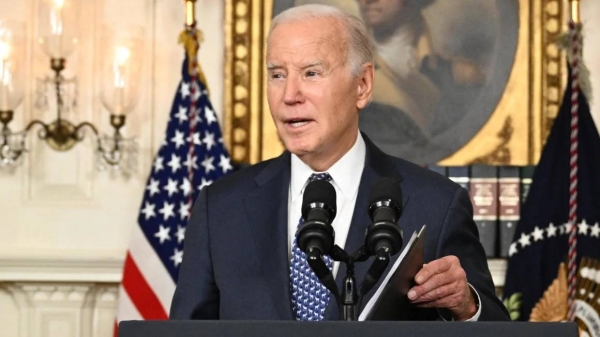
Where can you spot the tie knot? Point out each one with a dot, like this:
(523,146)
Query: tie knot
(319,176)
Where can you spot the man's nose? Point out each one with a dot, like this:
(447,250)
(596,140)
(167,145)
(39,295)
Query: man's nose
(293,92)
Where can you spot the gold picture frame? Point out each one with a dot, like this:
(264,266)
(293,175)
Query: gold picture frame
(513,135)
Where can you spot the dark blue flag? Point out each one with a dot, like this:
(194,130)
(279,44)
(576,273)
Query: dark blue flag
(541,239)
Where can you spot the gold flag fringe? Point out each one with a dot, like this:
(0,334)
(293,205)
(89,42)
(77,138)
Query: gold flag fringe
(565,42)
(191,40)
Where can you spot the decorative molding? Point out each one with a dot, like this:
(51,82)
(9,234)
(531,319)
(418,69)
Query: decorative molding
(553,15)
(61,269)
(238,44)
(501,154)
(105,310)
(44,292)
(51,309)
(107,270)
(64,309)
(106,295)
(246,29)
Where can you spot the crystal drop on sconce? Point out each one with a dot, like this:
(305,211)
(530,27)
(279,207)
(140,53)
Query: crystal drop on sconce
(124,159)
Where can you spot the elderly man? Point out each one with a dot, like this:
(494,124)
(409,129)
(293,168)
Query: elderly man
(241,235)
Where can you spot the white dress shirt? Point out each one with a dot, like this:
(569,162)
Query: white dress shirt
(345,174)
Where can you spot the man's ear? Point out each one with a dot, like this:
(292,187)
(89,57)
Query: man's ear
(365,85)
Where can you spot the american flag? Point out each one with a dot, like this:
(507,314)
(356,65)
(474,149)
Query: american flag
(191,156)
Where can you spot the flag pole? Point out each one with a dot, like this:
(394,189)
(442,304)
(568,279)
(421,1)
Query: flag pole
(191,39)
(575,34)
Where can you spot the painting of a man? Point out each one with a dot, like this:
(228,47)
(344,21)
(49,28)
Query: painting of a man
(441,67)
(406,64)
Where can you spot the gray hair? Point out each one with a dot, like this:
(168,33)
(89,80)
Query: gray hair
(360,50)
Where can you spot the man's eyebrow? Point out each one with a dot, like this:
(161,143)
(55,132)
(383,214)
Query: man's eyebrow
(272,66)
(275,66)
(313,64)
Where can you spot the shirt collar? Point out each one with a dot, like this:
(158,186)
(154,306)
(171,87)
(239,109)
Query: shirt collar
(345,173)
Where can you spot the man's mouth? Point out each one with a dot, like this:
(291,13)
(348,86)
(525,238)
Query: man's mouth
(297,122)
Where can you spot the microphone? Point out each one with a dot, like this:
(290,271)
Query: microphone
(318,210)
(315,235)
(385,209)
(384,236)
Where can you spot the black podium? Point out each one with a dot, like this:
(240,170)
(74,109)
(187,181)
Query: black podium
(342,329)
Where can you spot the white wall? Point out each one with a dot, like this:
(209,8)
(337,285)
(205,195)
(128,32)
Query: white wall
(65,226)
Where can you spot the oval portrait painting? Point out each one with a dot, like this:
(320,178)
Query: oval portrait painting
(441,67)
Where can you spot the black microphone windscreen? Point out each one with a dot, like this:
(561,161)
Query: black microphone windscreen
(386,189)
(319,191)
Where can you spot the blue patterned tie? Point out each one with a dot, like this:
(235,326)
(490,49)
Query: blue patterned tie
(309,296)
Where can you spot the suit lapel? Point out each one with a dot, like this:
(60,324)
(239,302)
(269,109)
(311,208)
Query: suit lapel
(377,165)
(267,209)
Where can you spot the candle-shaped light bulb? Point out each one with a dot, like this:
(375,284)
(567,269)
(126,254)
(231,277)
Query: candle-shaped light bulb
(4,50)
(122,55)
(56,26)
(4,75)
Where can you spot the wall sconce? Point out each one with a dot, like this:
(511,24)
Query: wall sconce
(121,63)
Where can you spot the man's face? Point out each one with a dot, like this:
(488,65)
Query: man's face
(313,97)
(381,12)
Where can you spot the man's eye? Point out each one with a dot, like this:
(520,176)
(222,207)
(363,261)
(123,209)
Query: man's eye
(311,73)
(276,76)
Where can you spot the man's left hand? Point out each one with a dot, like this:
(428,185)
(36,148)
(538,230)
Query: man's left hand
(443,284)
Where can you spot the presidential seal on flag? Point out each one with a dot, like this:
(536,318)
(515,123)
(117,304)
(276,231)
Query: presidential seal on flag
(553,306)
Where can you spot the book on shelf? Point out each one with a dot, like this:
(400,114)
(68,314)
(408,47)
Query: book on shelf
(460,175)
(483,189)
(509,197)
(526,179)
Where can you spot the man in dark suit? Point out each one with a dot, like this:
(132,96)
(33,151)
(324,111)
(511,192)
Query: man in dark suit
(241,235)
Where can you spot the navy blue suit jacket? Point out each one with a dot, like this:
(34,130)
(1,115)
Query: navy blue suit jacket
(236,266)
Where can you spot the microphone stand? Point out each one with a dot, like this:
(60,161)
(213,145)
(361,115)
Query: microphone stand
(350,299)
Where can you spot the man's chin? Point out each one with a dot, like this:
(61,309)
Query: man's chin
(296,144)
(300,152)
(299,149)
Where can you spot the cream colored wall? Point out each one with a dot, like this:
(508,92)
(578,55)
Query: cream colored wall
(64,226)
(590,11)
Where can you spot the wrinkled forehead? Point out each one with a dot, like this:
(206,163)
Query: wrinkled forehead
(325,36)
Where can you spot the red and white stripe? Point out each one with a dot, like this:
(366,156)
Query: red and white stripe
(572,263)
(146,289)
